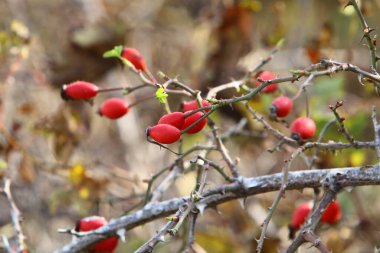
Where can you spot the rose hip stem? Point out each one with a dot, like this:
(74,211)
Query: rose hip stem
(111,89)
(140,100)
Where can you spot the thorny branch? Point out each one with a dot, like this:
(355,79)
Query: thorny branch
(353,176)
(332,185)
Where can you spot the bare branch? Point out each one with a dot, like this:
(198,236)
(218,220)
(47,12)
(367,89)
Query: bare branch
(352,176)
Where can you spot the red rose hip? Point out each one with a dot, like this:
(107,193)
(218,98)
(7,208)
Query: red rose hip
(267,76)
(192,105)
(300,215)
(92,223)
(79,90)
(113,108)
(332,213)
(192,119)
(175,119)
(281,106)
(134,57)
(164,133)
(303,127)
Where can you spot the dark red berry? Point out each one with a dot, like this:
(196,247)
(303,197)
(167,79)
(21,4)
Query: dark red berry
(332,213)
(134,57)
(300,215)
(164,133)
(113,108)
(192,105)
(281,106)
(267,76)
(175,119)
(192,119)
(92,223)
(303,127)
(79,90)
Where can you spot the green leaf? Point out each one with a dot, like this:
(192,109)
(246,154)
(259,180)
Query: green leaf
(115,52)
(161,95)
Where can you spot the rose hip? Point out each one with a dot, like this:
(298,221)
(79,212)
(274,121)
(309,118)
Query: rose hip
(79,90)
(113,108)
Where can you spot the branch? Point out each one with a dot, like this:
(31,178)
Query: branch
(376,128)
(351,176)
(15,214)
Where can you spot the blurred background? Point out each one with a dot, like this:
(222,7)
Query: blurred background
(66,162)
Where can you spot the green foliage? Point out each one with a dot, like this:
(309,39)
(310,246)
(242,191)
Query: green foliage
(161,95)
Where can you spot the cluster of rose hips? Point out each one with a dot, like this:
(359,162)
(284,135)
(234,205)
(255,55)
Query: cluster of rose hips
(94,222)
(302,127)
(112,108)
(170,126)
(331,215)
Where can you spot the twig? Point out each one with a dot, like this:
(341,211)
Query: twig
(352,176)
(269,128)
(376,128)
(329,145)
(320,138)
(340,123)
(371,42)
(222,150)
(332,185)
(15,214)
(281,194)
(191,232)
(312,238)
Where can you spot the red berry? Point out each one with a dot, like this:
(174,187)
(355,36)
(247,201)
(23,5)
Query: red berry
(192,105)
(281,106)
(92,223)
(193,118)
(303,127)
(79,90)
(300,215)
(266,76)
(332,213)
(113,108)
(164,133)
(175,119)
(134,57)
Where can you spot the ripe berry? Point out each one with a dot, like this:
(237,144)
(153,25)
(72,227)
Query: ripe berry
(266,76)
(92,223)
(175,119)
(79,90)
(332,213)
(300,215)
(134,57)
(303,127)
(113,108)
(192,105)
(281,106)
(193,118)
(164,133)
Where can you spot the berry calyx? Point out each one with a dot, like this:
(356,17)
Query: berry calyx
(267,76)
(175,119)
(113,108)
(281,106)
(300,215)
(79,90)
(192,105)
(192,119)
(91,223)
(164,133)
(332,213)
(303,127)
